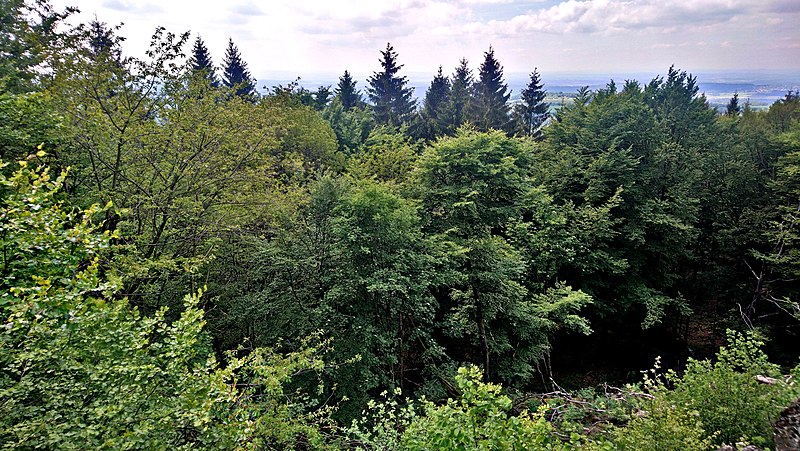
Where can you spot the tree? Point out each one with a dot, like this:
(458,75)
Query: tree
(733,108)
(388,92)
(201,64)
(321,97)
(460,96)
(28,34)
(235,74)
(347,93)
(434,111)
(490,96)
(79,366)
(475,191)
(531,114)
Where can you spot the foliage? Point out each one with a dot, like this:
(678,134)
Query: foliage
(532,112)
(726,397)
(79,367)
(390,97)
(434,111)
(201,64)
(235,74)
(346,92)
(478,420)
(489,107)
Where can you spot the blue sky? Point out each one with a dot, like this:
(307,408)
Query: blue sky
(611,36)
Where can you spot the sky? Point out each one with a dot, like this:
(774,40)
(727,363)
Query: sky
(280,37)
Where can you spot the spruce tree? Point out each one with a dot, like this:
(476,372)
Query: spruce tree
(235,73)
(201,64)
(491,94)
(347,93)
(434,111)
(530,114)
(460,94)
(733,108)
(388,92)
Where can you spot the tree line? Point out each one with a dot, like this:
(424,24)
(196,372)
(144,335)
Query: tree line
(189,263)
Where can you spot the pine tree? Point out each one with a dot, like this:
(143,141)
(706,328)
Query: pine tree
(434,111)
(460,93)
(733,108)
(347,93)
(490,107)
(533,111)
(201,63)
(388,92)
(321,97)
(235,73)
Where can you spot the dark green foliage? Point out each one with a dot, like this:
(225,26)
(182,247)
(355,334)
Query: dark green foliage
(460,95)
(532,112)
(235,74)
(489,108)
(390,97)
(321,97)
(201,64)
(435,119)
(613,141)
(733,108)
(346,92)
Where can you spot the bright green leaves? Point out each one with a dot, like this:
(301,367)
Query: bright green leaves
(477,192)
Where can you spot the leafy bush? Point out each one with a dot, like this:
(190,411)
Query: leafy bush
(726,396)
(478,420)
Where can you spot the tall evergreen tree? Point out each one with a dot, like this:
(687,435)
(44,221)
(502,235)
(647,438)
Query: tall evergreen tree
(460,93)
(490,107)
(235,73)
(388,92)
(530,114)
(347,93)
(201,63)
(435,108)
(733,108)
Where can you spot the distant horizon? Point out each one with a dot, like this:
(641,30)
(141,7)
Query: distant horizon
(557,36)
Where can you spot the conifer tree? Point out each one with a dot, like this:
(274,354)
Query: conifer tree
(460,93)
(733,108)
(434,110)
(347,93)
(530,114)
(388,91)
(490,107)
(235,73)
(201,63)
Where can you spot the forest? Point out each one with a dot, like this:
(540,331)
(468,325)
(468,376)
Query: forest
(190,263)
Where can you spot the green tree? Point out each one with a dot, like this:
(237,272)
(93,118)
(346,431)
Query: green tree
(490,109)
(533,111)
(733,108)
(346,92)
(235,74)
(390,97)
(615,141)
(474,189)
(435,120)
(201,64)
(460,95)
(28,34)
(80,367)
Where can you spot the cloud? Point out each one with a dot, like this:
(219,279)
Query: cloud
(132,7)
(611,16)
(246,9)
